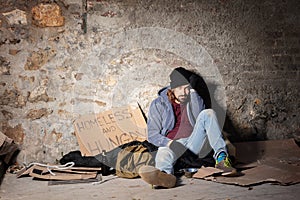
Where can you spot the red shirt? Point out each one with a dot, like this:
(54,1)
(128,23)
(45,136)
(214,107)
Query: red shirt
(183,127)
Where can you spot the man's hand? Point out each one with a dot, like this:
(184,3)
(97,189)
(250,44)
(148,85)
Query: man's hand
(177,148)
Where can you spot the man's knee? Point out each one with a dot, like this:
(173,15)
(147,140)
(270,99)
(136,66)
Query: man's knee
(208,113)
(163,154)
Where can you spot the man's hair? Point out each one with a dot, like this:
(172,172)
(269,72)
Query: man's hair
(171,95)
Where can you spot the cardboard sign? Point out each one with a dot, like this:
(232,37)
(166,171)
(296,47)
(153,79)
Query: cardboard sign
(109,129)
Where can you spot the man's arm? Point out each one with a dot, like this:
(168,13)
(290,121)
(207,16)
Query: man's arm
(196,101)
(154,126)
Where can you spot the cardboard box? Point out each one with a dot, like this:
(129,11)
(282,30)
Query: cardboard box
(109,129)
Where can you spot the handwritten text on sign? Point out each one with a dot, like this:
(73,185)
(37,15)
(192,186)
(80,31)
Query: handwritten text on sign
(107,130)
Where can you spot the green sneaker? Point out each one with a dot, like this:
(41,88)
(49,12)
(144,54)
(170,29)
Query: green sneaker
(155,177)
(225,166)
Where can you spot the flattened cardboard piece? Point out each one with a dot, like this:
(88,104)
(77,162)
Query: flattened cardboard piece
(27,171)
(63,182)
(109,129)
(206,171)
(85,168)
(72,173)
(262,174)
(271,161)
(62,176)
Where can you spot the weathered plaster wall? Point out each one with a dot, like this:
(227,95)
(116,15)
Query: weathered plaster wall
(248,52)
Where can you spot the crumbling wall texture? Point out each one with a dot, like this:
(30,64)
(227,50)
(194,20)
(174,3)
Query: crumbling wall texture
(93,55)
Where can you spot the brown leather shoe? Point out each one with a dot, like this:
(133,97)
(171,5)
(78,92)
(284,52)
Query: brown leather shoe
(155,177)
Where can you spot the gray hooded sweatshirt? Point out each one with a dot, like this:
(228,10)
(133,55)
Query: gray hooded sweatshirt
(161,118)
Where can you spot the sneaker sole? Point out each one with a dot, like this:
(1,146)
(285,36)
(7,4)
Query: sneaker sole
(231,173)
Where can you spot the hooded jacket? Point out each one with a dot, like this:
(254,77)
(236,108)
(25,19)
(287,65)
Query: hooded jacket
(161,118)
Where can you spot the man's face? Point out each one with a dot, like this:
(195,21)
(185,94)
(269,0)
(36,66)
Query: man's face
(181,93)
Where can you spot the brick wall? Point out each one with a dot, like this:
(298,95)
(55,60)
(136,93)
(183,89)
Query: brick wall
(248,51)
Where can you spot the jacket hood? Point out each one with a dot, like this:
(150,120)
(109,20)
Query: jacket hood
(163,91)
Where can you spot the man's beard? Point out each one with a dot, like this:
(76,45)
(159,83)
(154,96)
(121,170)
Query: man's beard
(183,98)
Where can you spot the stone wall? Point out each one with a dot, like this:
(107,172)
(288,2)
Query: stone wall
(104,54)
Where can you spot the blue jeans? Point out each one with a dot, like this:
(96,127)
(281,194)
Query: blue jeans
(206,136)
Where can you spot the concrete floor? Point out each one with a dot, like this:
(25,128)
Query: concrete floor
(113,187)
